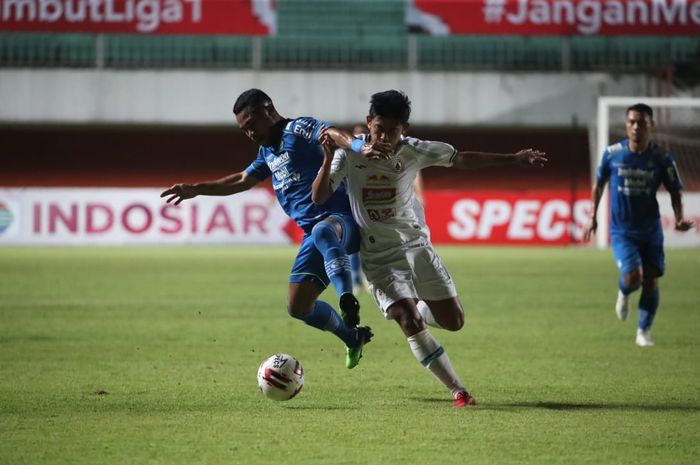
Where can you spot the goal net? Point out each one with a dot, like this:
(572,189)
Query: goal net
(678,130)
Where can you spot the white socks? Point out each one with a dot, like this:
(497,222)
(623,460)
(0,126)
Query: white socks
(427,315)
(432,356)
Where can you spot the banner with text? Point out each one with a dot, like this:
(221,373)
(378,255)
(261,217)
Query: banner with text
(138,216)
(556,17)
(548,218)
(235,17)
(114,216)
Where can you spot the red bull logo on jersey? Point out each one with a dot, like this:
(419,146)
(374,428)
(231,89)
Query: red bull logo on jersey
(378,180)
(374,197)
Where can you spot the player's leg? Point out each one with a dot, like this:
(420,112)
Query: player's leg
(629,262)
(356,267)
(306,282)
(427,349)
(440,307)
(335,237)
(654,265)
(444,313)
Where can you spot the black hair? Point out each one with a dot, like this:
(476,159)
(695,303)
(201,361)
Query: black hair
(390,104)
(641,108)
(251,98)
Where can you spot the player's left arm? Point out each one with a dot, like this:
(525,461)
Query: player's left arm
(677,204)
(474,160)
(672,181)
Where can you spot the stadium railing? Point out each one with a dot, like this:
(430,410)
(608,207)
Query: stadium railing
(385,49)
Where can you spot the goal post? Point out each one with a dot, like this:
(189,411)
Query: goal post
(678,129)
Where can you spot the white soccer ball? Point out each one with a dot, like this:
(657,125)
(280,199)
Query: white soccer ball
(280,377)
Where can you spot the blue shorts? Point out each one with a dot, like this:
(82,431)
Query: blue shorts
(632,252)
(309,263)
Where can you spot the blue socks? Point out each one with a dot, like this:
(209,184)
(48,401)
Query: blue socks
(325,318)
(355,265)
(335,257)
(648,304)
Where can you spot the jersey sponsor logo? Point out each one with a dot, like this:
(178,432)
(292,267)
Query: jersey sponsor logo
(304,128)
(277,161)
(381,214)
(635,181)
(378,196)
(378,180)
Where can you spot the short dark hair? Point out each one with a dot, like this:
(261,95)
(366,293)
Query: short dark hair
(391,104)
(251,98)
(641,108)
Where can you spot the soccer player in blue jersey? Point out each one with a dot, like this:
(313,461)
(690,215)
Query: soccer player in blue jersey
(635,168)
(290,153)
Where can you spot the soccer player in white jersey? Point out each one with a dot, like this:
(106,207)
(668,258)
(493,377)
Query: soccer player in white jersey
(406,277)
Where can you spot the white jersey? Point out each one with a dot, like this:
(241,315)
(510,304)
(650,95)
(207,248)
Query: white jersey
(381,192)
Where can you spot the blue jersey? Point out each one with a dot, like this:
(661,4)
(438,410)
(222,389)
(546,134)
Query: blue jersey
(293,166)
(634,179)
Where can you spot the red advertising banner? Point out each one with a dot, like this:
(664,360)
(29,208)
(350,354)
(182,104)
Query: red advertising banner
(506,218)
(557,17)
(234,17)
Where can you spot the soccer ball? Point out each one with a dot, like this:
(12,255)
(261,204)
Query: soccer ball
(280,377)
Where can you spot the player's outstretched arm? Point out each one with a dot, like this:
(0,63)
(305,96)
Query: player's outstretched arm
(474,160)
(592,225)
(232,184)
(343,139)
(677,204)
(321,189)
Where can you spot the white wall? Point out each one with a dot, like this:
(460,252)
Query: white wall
(206,97)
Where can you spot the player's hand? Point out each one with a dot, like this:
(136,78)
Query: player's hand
(324,138)
(684,225)
(179,192)
(328,146)
(590,229)
(531,157)
(376,150)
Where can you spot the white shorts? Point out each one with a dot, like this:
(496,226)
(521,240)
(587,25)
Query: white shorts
(410,273)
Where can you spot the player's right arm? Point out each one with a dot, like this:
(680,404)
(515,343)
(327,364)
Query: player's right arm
(344,140)
(330,175)
(596,195)
(602,175)
(228,185)
(321,189)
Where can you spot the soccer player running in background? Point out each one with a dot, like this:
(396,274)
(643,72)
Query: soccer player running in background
(635,168)
(290,153)
(406,277)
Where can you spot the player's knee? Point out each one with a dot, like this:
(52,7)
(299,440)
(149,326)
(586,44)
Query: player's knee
(649,283)
(322,231)
(455,323)
(298,313)
(410,321)
(634,279)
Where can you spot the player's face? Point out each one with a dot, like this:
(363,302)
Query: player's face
(639,126)
(386,130)
(256,124)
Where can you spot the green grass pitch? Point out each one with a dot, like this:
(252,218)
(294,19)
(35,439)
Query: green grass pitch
(149,355)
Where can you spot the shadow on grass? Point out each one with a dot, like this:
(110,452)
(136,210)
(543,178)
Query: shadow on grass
(318,407)
(573,406)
